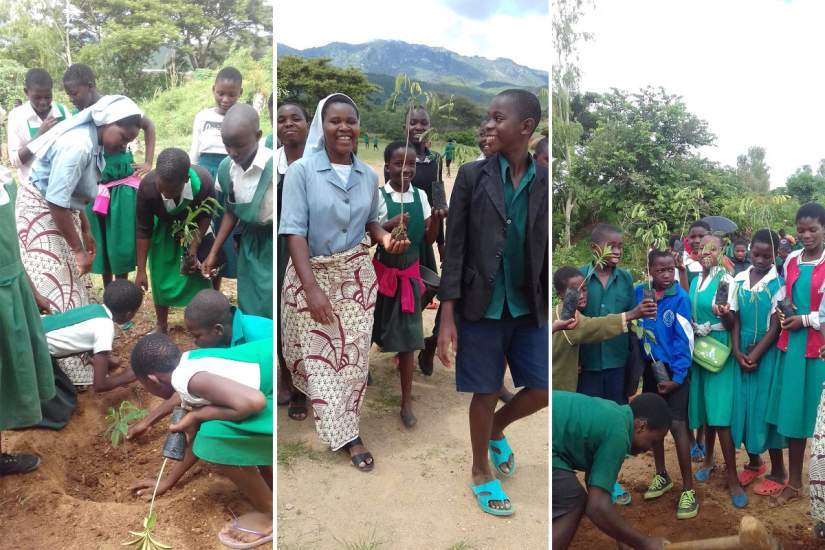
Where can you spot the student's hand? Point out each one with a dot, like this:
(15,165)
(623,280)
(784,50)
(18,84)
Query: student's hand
(569,324)
(89,243)
(447,340)
(721,311)
(752,361)
(439,213)
(793,322)
(42,304)
(679,258)
(142,280)
(209,267)
(144,488)
(83,261)
(320,308)
(646,308)
(189,425)
(141,168)
(45,126)
(392,223)
(743,362)
(395,247)
(137,429)
(665,388)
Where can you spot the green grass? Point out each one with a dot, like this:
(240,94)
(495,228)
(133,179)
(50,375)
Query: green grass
(461,545)
(368,542)
(290,452)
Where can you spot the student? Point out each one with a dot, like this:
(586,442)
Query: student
(293,127)
(32,119)
(375,142)
(497,248)
(594,435)
(449,153)
(712,393)
(229,393)
(269,141)
(692,265)
(740,256)
(755,330)
(541,152)
(91,329)
(482,144)
(785,248)
(246,179)
(796,390)
(25,364)
(164,196)
(114,230)
(208,151)
(609,290)
(398,325)
(587,329)
(366,140)
(672,345)
(213,323)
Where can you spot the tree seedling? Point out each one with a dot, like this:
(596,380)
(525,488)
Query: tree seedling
(187,230)
(118,420)
(145,539)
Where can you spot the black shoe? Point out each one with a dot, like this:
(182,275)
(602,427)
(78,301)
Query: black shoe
(18,464)
(426,356)
(369,379)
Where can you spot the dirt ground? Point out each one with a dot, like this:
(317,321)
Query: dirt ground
(419,494)
(791,525)
(79,498)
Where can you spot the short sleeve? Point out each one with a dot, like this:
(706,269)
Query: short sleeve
(15,139)
(608,458)
(295,213)
(194,151)
(382,209)
(67,166)
(425,204)
(374,209)
(104,335)
(732,294)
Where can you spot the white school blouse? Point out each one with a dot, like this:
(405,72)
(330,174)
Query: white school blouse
(94,335)
(206,134)
(21,118)
(248,374)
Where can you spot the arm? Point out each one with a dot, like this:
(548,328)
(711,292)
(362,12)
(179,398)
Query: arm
(320,309)
(103,382)
(144,218)
(592,330)
(766,342)
(19,153)
(86,234)
(194,151)
(228,224)
(145,487)
(735,342)
(65,225)
(149,138)
(229,400)
(161,411)
(682,356)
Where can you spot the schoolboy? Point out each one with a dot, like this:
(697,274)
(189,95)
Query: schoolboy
(541,152)
(495,280)
(740,256)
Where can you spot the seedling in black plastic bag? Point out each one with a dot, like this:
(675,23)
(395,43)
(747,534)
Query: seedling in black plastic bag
(570,303)
(722,293)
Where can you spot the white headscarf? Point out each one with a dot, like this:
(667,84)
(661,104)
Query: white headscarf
(108,109)
(315,138)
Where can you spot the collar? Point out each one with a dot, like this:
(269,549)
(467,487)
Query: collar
(504,166)
(428,157)
(237,326)
(281,162)
(390,191)
(31,116)
(714,272)
(671,290)
(262,156)
(744,277)
(798,254)
(323,163)
(107,310)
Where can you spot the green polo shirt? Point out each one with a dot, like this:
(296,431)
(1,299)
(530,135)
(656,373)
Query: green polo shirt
(617,297)
(250,328)
(590,435)
(509,282)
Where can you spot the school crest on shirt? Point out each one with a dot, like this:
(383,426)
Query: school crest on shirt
(668,317)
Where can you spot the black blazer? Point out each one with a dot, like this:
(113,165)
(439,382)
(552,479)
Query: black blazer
(476,235)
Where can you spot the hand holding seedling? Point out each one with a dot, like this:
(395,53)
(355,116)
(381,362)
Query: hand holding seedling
(722,310)
(394,246)
(439,213)
(568,324)
(397,220)
(646,308)
(665,388)
(189,425)
(794,322)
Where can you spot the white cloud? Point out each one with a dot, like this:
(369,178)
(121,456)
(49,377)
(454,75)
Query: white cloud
(524,38)
(748,67)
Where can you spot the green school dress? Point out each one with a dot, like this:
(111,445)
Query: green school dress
(169,287)
(114,233)
(247,442)
(394,330)
(711,394)
(796,392)
(211,162)
(26,371)
(256,244)
(755,307)
(270,140)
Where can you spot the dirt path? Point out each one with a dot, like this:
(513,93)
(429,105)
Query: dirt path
(419,494)
(79,497)
(791,524)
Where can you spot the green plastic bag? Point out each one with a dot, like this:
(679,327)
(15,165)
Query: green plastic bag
(710,354)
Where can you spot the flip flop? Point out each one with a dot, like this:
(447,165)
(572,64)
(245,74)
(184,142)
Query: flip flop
(360,457)
(769,488)
(703,474)
(500,453)
(491,491)
(297,409)
(229,542)
(739,501)
(747,475)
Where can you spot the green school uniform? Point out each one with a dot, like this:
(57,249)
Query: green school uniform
(60,109)
(255,253)
(211,162)
(591,435)
(712,394)
(169,287)
(797,389)
(114,233)
(270,140)
(74,316)
(394,330)
(566,344)
(755,307)
(617,297)
(246,442)
(249,328)
(26,375)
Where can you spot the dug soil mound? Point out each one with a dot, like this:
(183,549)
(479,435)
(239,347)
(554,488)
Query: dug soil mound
(80,496)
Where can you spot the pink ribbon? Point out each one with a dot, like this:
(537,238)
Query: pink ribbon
(388,278)
(101,205)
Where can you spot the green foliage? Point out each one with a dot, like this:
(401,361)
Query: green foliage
(805,185)
(753,171)
(310,80)
(12,77)
(145,539)
(754,211)
(186,230)
(118,420)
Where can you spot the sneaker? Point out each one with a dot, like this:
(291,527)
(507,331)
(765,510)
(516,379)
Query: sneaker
(18,464)
(688,505)
(659,486)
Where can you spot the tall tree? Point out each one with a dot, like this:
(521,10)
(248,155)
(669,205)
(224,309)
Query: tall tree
(753,170)
(805,185)
(310,80)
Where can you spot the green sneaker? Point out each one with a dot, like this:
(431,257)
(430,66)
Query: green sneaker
(688,505)
(659,486)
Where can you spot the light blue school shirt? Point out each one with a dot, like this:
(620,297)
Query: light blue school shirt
(68,172)
(330,213)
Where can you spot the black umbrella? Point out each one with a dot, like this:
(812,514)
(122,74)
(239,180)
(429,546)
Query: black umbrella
(720,225)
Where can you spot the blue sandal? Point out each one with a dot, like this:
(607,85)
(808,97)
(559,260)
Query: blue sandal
(703,474)
(492,491)
(500,453)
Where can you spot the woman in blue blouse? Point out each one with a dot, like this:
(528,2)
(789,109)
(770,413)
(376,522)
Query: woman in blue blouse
(330,200)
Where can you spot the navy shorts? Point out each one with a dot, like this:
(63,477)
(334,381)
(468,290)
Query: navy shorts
(607,384)
(484,346)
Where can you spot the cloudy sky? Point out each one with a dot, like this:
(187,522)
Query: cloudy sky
(516,29)
(752,68)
